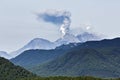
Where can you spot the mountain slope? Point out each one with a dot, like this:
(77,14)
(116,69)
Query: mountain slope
(94,58)
(31,58)
(9,71)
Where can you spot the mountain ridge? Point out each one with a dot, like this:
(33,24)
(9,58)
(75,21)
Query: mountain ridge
(36,43)
(39,43)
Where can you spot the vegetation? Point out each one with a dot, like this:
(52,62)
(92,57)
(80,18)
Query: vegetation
(81,62)
(95,58)
(66,78)
(31,58)
(9,71)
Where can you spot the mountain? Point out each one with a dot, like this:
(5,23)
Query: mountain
(86,36)
(32,58)
(37,43)
(5,55)
(93,58)
(8,71)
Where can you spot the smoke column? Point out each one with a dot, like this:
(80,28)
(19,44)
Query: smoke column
(57,17)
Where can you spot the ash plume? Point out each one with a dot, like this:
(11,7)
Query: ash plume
(57,17)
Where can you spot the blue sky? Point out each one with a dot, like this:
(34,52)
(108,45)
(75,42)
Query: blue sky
(19,24)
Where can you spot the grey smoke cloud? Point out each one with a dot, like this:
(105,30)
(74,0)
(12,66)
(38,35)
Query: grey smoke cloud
(57,17)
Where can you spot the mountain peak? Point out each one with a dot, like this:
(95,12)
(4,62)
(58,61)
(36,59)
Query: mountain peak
(36,43)
(38,39)
(39,43)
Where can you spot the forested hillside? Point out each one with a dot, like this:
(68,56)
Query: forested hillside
(95,58)
(8,71)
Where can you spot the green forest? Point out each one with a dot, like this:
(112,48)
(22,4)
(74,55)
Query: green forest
(9,71)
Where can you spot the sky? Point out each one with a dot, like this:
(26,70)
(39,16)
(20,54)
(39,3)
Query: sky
(19,24)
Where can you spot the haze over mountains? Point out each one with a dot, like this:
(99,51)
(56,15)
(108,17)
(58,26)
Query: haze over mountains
(39,43)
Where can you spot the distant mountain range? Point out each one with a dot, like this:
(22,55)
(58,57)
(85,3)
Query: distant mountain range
(39,43)
(92,58)
(8,71)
